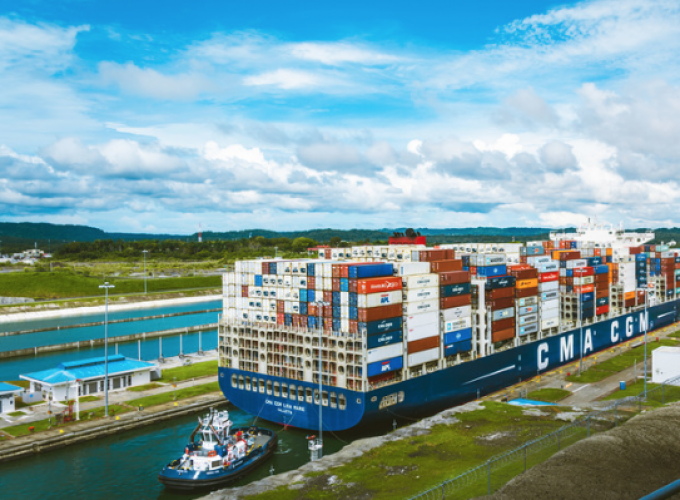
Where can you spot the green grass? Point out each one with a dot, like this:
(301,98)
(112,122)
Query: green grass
(418,463)
(87,399)
(196,370)
(675,334)
(17,414)
(167,397)
(668,395)
(145,387)
(64,285)
(618,363)
(21,404)
(43,425)
(548,395)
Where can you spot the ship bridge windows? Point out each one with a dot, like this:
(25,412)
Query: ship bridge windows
(293,391)
(316,396)
(324,398)
(269,387)
(254,384)
(300,394)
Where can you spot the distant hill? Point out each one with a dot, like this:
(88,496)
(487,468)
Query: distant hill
(16,236)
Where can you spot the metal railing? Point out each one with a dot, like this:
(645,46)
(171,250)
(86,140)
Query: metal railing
(497,471)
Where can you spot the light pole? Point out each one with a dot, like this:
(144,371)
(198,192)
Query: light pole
(646,328)
(580,327)
(145,252)
(320,304)
(106,287)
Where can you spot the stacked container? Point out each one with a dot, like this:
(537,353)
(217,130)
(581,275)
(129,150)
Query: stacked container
(526,298)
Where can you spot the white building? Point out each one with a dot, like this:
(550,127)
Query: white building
(7,394)
(665,364)
(88,376)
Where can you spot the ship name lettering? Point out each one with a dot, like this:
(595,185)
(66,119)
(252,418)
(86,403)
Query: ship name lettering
(629,327)
(588,343)
(615,332)
(542,361)
(566,348)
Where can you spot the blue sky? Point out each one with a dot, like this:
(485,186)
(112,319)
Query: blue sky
(158,116)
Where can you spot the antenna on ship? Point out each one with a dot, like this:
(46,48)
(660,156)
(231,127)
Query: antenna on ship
(200,233)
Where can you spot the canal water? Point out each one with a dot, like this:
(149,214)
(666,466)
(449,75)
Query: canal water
(126,465)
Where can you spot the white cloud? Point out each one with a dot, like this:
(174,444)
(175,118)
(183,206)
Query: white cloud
(337,53)
(287,79)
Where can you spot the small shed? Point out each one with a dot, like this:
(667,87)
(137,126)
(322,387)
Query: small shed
(7,394)
(86,376)
(666,364)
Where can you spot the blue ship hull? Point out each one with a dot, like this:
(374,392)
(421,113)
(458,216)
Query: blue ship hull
(449,386)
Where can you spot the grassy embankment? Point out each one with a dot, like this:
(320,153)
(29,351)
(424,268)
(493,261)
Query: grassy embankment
(43,425)
(195,370)
(167,397)
(548,395)
(66,285)
(619,363)
(145,387)
(656,397)
(415,464)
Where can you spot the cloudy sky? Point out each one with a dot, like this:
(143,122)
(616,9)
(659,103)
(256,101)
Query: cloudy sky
(160,115)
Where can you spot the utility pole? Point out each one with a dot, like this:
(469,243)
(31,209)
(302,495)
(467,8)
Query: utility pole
(106,287)
(145,252)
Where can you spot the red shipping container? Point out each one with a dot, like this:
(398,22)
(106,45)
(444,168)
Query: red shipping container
(280,306)
(521,293)
(377,313)
(525,274)
(636,250)
(443,266)
(501,303)
(335,268)
(503,335)
(265,268)
(584,289)
(520,267)
(602,279)
(375,285)
(381,378)
(353,326)
(602,310)
(328,325)
(432,255)
(473,270)
(423,344)
(602,292)
(454,277)
(280,320)
(500,293)
(312,309)
(335,284)
(502,324)
(311,283)
(327,296)
(244,290)
(344,270)
(450,302)
(548,277)
(353,285)
(583,271)
(327,312)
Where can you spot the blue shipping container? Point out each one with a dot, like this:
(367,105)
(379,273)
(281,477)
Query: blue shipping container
(353,313)
(388,365)
(454,290)
(303,295)
(258,280)
(488,271)
(344,284)
(310,269)
(587,297)
(602,301)
(303,308)
(371,271)
(385,338)
(459,336)
(380,326)
(456,347)
(311,295)
(500,282)
(601,269)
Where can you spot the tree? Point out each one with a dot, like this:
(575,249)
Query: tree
(335,241)
(301,244)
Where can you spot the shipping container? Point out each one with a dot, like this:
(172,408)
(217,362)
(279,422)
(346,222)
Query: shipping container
(375,285)
(423,357)
(385,352)
(503,335)
(388,365)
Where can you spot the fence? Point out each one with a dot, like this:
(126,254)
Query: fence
(497,471)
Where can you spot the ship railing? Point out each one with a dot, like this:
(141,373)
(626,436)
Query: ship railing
(495,472)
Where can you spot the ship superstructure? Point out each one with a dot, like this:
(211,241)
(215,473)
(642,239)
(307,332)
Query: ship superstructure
(393,323)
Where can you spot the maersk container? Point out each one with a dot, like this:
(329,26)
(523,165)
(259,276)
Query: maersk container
(422,332)
(527,301)
(457,324)
(379,299)
(551,295)
(428,318)
(385,338)
(385,366)
(456,313)
(491,271)
(523,311)
(602,301)
(455,290)
(525,320)
(456,347)
(423,357)
(500,282)
(413,268)
(526,329)
(420,281)
(423,306)
(550,304)
(548,267)
(415,295)
(502,313)
(386,352)
(370,270)
(458,336)
(548,286)
(380,326)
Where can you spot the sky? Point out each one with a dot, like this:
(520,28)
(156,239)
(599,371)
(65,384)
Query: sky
(158,116)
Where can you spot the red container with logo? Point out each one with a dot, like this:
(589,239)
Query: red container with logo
(602,310)
(375,285)
(454,277)
(548,277)
(459,301)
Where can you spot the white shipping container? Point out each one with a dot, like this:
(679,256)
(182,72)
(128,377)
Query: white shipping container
(420,281)
(548,267)
(421,294)
(413,268)
(456,313)
(550,304)
(549,323)
(584,280)
(385,352)
(549,286)
(429,318)
(457,324)
(422,332)
(423,306)
(379,299)
(550,314)
(423,357)
(572,264)
(525,320)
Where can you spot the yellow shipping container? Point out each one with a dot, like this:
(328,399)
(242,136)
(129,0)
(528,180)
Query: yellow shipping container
(520,284)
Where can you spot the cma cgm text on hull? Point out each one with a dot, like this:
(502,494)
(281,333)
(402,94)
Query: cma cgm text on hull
(413,328)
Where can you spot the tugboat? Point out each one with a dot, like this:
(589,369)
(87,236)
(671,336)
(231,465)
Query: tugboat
(221,456)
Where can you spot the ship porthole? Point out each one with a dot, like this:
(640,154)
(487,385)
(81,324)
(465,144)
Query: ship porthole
(374,399)
(221,375)
(358,401)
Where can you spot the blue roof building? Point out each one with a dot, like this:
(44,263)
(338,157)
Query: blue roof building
(87,376)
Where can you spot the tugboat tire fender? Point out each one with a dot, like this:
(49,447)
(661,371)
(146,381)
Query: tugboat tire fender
(212,453)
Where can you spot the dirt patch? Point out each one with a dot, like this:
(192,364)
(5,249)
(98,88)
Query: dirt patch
(624,463)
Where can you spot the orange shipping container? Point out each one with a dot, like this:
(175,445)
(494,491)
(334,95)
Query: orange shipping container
(503,335)
(629,295)
(526,283)
(423,344)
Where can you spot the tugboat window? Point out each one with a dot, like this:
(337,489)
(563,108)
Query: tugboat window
(247,383)
(276,389)
(262,386)
(308,393)
(269,387)
(234,381)
(284,390)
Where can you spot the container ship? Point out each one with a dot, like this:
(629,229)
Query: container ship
(405,330)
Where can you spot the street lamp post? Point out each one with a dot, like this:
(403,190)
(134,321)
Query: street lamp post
(106,287)
(580,327)
(320,304)
(145,252)
(646,328)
